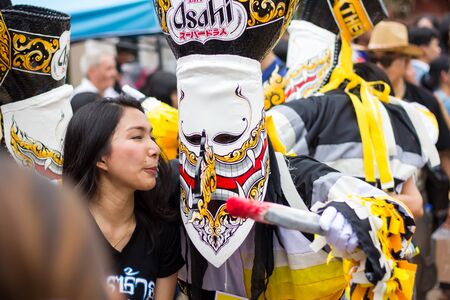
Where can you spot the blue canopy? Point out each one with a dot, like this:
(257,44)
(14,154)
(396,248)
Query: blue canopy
(104,18)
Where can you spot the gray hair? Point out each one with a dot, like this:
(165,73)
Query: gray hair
(91,58)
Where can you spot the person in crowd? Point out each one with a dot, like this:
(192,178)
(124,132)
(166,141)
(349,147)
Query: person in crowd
(49,250)
(225,151)
(82,99)
(427,21)
(444,30)
(428,40)
(129,70)
(438,80)
(390,50)
(112,159)
(98,67)
(329,128)
(163,86)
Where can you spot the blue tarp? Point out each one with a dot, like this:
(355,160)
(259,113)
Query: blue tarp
(104,18)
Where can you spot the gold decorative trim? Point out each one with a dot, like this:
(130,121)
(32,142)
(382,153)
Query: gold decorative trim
(191,157)
(32,152)
(271,11)
(5,49)
(208,183)
(274,90)
(239,154)
(258,187)
(163,7)
(33,53)
(291,8)
(25,51)
(235,155)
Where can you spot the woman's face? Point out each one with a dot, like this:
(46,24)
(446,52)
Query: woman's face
(132,161)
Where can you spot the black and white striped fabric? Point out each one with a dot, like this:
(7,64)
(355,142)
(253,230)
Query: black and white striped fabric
(325,127)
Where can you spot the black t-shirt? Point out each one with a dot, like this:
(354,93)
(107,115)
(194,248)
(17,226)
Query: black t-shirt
(136,268)
(420,95)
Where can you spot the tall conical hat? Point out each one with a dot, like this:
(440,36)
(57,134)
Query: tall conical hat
(320,26)
(34,53)
(34,49)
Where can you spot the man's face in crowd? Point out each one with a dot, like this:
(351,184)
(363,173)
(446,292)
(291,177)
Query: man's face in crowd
(395,65)
(104,74)
(432,50)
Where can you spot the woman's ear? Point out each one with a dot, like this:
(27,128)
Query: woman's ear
(101,164)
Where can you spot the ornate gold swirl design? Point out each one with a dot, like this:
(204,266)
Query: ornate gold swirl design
(192,158)
(217,231)
(38,153)
(208,180)
(274,90)
(33,54)
(291,8)
(324,60)
(183,198)
(256,190)
(163,7)
(233,156)
(321,65)
(239,154)
(264,11)
(5,49)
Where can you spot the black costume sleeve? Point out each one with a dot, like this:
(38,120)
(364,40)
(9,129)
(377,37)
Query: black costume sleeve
(170,250)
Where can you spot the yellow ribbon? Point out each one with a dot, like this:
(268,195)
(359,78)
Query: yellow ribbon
(368,115)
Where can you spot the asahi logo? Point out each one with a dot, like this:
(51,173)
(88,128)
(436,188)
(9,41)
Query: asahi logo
(203,20)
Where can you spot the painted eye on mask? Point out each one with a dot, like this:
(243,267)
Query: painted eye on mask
(194,139)
(226,138)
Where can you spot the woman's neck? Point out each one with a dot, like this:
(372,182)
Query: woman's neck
(112,205)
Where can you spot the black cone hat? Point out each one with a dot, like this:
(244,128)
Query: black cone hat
(248,28)
(34,51)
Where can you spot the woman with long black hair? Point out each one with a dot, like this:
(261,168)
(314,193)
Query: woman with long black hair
(111,157)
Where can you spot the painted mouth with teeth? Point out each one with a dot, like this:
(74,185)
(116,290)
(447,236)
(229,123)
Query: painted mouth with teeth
(246,177)
(216,227)
(232,179)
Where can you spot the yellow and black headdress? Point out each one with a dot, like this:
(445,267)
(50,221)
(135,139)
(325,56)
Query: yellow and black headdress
(35,107)
(34,49)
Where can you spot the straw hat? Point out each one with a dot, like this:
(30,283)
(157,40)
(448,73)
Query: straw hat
(392,37)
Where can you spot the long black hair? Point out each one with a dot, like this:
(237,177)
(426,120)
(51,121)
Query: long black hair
(88,139)
(432,80)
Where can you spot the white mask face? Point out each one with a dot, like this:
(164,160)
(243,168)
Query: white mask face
(311,59)
(34,129)
(228,108)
